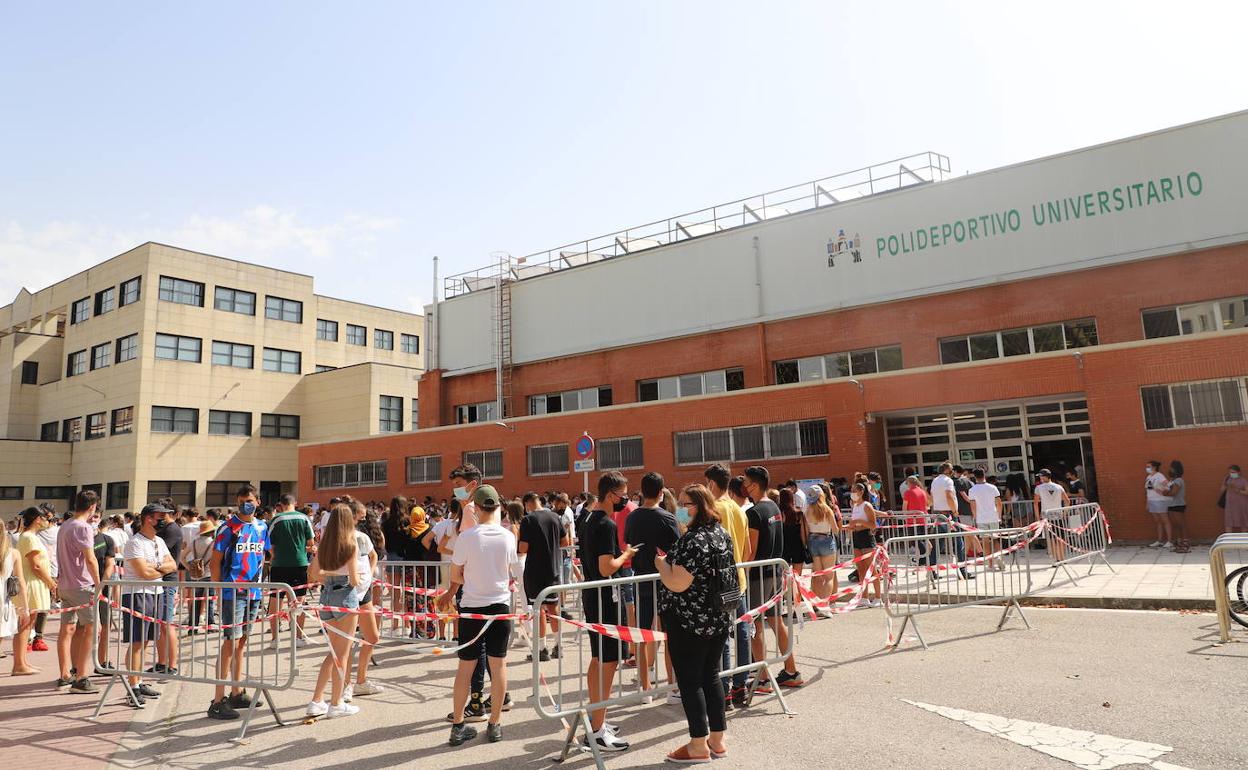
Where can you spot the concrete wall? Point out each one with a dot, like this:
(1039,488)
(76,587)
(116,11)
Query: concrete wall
(31,464)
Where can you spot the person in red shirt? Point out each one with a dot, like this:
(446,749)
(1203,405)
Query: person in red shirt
(619,514)
(915,499)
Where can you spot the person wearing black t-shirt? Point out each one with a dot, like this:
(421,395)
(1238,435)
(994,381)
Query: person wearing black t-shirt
(651,529)
(541,538)
(767,542)
(105,555)
(601,558)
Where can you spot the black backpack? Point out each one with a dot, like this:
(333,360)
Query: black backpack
(725,588)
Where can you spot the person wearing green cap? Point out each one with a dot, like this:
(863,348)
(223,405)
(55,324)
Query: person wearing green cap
(484,565)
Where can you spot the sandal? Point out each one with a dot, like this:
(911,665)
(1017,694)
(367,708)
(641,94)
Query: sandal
(717,753)
(681,756)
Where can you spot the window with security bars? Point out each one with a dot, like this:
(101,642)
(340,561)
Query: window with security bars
(279,425)
(171,347)
(282,309)
(1067,335)
(173,419)
(834,365)
(117,496)
(684,385)
(223,423)
(424,470)
(232,354)
(222,494)
(570,400)
(80,310)
(1194,404)
(490,461)
(482,412)
(182,492)
(130,291)
(615,454)
(180,291)
(391,414)
(808,438)
(1196,318)
(548,460)
(371,473)
(234,300)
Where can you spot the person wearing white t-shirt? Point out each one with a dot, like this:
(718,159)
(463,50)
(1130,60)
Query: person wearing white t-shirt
(1050,496)
(986,507)
(943,494)
(484,564)
(1158,503)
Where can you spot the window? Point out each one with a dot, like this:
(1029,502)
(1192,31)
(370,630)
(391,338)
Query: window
(391,420)
(12,493)
(684,385)
(182,492)
(180,291)
(570,400)
(123,420)
(117,496)
(71,429)
(424,470)
(409,343)
(415,413)
(232,354)
(616,454)
(234,300)
(279,425)
(753,442)
(357,335)
(1019,342)
(80,310)
(323,368)
(833,365)
(485,411)
(128,348)
(326,330)
(30,372)
(222,494)
(1193,404)
(490,461)
(130,291)
(365,474)
(1196,318)
(222,423)
(548,460)
(105,300)
(285,361)
(76,363)
(383,340)
(49,431)
(54,493)
(281,309)
(173,419)
(171,347)
(96,426)
(101,355)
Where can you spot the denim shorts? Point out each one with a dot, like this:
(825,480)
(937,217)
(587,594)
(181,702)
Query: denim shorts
(168,601)
(237,613)
(337,591)
(626,589)
(822,545)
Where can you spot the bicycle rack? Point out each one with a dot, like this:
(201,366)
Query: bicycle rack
(1217,573)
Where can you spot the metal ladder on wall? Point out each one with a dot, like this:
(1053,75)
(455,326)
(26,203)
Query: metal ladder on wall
(502,335)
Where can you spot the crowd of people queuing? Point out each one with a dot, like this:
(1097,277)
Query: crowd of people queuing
(491,547)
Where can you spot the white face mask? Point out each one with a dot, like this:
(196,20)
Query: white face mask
(1234,474)
(855,497)
(1148,469)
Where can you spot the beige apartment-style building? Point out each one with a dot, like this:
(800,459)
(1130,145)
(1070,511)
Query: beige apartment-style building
(167,372)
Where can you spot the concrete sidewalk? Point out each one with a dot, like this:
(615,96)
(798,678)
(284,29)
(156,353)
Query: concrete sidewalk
(1142,578)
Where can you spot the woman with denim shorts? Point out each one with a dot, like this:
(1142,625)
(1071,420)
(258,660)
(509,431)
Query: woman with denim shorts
(334,567)
(823,541)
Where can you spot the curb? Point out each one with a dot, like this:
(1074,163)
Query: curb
(1118,602)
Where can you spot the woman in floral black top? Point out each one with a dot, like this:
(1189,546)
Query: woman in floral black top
(697,624)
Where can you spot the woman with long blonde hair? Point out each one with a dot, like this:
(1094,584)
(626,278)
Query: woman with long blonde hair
(822,538)
(334,567)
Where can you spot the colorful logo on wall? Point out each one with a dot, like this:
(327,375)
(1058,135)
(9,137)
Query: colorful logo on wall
(842,247)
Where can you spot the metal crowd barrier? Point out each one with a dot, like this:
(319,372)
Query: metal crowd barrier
(136,630)
(560,686)
(1076,533)
(1227,591)
(409,585)
(924,576)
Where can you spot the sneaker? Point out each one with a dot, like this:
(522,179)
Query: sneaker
(460,733)
(673,698)
(63,684)
(1167,545)
(134,700)
(543,656)
(348,693)
(147,691)
(967,574)
(785,679)
(473,712)
(487,704)
(317,708)
(366,688)
(1155,544)
(83,686)
(241,701)
(342,710)
(728,706)
(221,709)
(100,670)
(738,697)
(494,733)
(159,668)
(39,645)
(607,741)
(301,642)
(554,652)
(273,645)
(764,687)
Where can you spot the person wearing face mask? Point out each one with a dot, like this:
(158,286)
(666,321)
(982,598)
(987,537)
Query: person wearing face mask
(861,524)
(466,479)
(651,529)
(237,557)
(1234,500)
(1157,502)
(621,509)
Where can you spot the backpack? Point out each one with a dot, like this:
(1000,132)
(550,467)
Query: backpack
(197,567)
(725,589)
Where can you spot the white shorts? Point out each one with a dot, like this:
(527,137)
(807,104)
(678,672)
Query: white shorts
(988,525)
(1158,506)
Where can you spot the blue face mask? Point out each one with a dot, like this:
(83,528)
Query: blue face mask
(683,516)
(247,508)
(461,493)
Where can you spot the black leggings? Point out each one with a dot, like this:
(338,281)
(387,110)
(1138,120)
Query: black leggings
(696,661)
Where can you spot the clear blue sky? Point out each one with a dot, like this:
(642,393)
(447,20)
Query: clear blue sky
(356,140)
